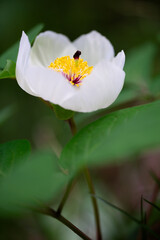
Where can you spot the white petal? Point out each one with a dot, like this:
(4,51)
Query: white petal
(69,51)
(119,60)
(47,47)
(99,90)
(49,85)
(22,64)
(94,47)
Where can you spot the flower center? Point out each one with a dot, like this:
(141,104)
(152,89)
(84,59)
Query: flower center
(73,69)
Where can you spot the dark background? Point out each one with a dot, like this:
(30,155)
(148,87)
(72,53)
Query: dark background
(125,22)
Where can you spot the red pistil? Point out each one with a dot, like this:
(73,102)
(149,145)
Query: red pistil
(76,55)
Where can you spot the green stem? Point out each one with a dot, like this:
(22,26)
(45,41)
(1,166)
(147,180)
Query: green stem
(65,197)
(94,203)
(90,186)
(70,184)
(60,218)
(72,126)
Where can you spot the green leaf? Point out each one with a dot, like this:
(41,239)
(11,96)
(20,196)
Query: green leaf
(139,64)
(61,113)
(6,113)
(11,153)
(114,137)
(11,53)
(33,183)
(9,70)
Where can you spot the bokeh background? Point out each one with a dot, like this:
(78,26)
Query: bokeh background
(127,24)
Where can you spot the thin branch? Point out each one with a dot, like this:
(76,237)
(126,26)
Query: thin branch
(65,197)
(52,213)
(72,126)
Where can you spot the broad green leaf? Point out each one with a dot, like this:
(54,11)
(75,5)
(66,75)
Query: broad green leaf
(11,153)
(9,70)
(139,64)
(61,113)
(31,184)
(11,53)
(114,137)
(6,113)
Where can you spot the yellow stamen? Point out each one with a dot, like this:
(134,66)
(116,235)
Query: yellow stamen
(73,69)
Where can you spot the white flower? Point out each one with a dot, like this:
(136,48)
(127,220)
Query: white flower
(101,78)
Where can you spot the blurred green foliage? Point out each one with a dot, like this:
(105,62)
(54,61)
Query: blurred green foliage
(9,70)
(11,153)
(12,52)
(6,113)
(27,181)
